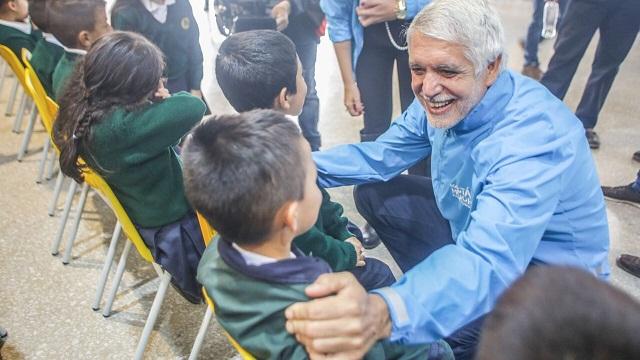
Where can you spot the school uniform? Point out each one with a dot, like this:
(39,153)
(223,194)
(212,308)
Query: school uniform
(17,35)
(251,293)
(134,152)
(44,59)
(174,30)
(64,69)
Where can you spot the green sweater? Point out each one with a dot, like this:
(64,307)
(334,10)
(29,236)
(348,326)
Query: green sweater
(178,37)
(252,310)
(63,72)
(16,40)
(326,238)
(134,151)
(44,59)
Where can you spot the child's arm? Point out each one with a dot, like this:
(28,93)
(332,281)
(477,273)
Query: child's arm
(340,255)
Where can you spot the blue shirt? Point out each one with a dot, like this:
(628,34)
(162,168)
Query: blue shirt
(517,183)
(343,23)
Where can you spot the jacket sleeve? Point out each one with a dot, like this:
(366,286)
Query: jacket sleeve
(338,254)
(339,14)
(405,143)
(462,281)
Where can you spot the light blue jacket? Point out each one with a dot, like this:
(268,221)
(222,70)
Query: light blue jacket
(343,24)
(518,185)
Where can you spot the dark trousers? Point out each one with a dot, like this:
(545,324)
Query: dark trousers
(374,74)
(618,22)
(404,213)
(308,119)
(534,32)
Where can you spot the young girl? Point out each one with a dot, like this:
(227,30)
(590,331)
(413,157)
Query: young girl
(171,26)
(120,119)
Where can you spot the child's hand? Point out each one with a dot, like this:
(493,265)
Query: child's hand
(359,251)
(161,93)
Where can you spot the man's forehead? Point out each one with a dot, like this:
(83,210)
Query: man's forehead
(426,49)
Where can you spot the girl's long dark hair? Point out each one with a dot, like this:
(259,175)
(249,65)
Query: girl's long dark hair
(122,69)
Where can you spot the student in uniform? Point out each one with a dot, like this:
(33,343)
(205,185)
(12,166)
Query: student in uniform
(48,50)
(119,118)
(77,24)
(16,31)
(171,26)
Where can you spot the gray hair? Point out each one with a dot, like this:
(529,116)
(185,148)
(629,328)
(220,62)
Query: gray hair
(470,23)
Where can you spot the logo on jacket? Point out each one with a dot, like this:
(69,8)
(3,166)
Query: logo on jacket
(462,194)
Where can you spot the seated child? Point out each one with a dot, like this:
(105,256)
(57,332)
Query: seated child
(260,70)
(16,31)
(118,117)
(76,24)
(252,177)
(48,50)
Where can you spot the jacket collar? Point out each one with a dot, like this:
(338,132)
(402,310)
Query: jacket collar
(301,270)
(495,99)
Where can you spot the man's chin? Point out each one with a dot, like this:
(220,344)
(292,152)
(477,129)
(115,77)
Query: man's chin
(440,122)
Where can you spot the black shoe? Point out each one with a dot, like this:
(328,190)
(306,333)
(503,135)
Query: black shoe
(636,156)
(629,263)
(370,239)
(592,138)
(622,193)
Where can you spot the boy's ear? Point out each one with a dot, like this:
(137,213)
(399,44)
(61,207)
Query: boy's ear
(281,102)
(290,216)
(84,40)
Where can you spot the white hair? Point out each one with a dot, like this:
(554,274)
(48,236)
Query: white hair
(473,24)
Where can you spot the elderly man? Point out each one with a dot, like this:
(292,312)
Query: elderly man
(513,186)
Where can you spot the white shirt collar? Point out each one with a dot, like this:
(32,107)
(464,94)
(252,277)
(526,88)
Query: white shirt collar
(52,39)
(25,26)
(74,51)
(255,259)
(158,11)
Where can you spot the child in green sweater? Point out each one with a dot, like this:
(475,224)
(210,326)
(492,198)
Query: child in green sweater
(16,31)
(259,69)
(76,24)
(252,177)
(171,26)
(118,117)
(48,50)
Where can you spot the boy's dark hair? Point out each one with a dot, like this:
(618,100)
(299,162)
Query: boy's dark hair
(122,69)
(561,313)
(252,67)
(239,170)
(67,18)
(39,14)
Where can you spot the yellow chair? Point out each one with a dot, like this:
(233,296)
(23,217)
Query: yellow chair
(18,70)
(14,88)
(207,234)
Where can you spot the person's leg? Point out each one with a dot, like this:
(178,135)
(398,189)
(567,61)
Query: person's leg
(618,32)
(374,72)
(464,341)
(581,21)
(404,213)
(374,275)
(533,35)
(308,119)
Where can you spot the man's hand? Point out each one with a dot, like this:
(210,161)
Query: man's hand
(342,322)
(376,11)
(280,13)
(352,100)
(359,250)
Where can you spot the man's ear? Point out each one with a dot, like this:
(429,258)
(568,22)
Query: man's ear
(493,70)
(281,102)
(84,40)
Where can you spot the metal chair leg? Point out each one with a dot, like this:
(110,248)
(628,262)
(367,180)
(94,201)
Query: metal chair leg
(52,164)
(116,280)
(111,253)
(63,219)
(43,160)
(12,98)
(153,314)
(27,134)
(17,123)
(76,224)
(195,350)
(3,73)
(56,194)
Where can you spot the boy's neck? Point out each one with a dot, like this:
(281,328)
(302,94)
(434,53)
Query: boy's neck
(9,16)
(277,246)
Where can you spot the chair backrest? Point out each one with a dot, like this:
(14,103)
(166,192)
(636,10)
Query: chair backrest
(14,63)
(208,232)
(47,108)
(97,183)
